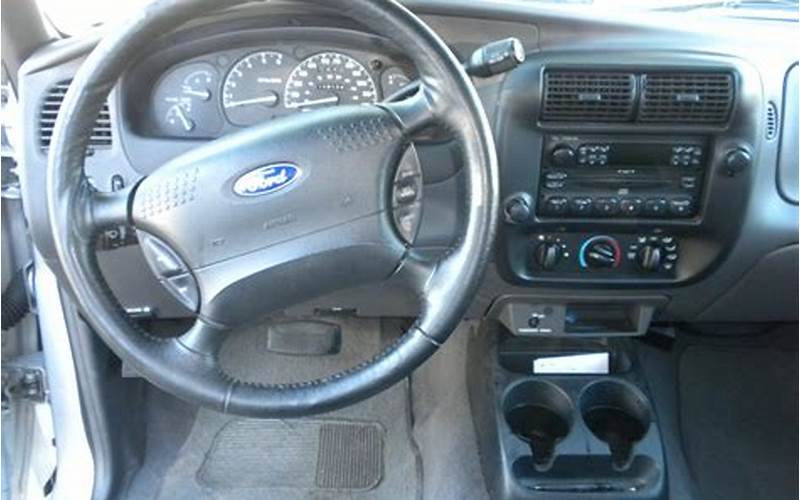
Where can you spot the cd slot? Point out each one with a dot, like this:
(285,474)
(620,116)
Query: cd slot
(620,182)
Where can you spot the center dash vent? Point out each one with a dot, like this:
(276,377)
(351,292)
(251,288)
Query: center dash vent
(686,98)
(599,96)
(101,133)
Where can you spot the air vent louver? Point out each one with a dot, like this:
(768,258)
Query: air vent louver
(101,134)
(686,98)
(597,96)
(771,128)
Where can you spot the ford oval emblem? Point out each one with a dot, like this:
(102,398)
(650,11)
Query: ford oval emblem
(267,179)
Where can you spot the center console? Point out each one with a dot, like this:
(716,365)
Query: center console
(620,183)
(563,419)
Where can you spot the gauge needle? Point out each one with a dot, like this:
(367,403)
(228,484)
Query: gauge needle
(269,100)
(188,125)
(316,102)
(202,94)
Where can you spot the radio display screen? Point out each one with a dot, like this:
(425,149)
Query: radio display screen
(640,154)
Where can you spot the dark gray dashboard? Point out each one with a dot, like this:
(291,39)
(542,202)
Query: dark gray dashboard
(742,241)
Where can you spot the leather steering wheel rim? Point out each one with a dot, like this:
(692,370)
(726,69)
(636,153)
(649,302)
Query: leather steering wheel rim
(187,367)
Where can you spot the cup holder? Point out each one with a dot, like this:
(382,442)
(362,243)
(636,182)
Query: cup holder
(539,413)
(617,414)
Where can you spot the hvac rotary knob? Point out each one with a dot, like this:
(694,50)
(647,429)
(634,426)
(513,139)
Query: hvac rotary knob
(649,258)
(548,255)
(600,252)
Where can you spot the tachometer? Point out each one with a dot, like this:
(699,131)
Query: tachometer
(251,92)
(328,79)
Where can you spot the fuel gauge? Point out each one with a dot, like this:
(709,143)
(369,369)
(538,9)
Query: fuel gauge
(183,102)
(198,85)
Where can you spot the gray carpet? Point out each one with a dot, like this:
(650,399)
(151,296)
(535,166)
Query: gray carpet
(739,414)
(443,424)
(364,451)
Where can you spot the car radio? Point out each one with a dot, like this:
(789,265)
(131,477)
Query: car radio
(621,176)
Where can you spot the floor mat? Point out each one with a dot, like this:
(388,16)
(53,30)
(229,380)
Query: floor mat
(739,414)
(323,454)
(363,451)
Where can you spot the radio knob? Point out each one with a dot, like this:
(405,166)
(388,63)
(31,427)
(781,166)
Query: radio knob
(548,255)
(562,156)
(518,209)
(649,258)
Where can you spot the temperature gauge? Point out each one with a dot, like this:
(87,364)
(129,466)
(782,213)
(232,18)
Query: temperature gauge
(178,118)
(184,104)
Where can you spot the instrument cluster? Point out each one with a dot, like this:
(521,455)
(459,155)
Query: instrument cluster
(214,94)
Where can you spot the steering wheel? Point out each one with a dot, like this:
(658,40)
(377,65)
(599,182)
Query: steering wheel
(276,214)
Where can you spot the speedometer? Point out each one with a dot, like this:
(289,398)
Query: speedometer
(328,79)
(251,92)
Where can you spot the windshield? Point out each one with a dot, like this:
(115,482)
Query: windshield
(76,16)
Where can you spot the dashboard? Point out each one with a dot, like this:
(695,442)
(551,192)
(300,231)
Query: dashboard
(210,95)
(644,159)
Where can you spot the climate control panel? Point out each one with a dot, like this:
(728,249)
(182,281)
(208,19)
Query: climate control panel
(605,256)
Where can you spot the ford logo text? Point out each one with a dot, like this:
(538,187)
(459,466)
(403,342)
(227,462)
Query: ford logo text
(267,179)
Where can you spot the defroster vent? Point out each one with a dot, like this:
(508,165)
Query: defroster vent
(598,96)
(101,134)
(686,98)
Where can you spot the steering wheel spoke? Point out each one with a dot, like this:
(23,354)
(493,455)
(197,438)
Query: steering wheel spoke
(106,209)
(203,338)
(417,111)
(416,270)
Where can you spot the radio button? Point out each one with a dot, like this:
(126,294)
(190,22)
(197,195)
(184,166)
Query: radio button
(556,205)
(681,206)
(555,176)
(631,206)
(656,206)
(581,205)
(688,182)
(606,206)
